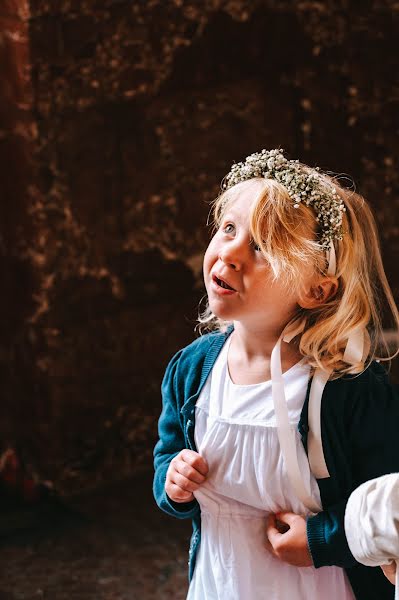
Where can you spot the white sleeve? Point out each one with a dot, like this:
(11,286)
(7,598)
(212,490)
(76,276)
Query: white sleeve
(372,521)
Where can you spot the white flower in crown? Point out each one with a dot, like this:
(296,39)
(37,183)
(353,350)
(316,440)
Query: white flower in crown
(301,186)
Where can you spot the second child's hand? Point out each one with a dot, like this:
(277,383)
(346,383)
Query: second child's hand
(286,533)
(389,571)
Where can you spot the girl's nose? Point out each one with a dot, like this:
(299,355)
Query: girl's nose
(231,255)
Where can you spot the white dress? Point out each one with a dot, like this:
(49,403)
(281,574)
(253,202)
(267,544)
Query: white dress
(236,433)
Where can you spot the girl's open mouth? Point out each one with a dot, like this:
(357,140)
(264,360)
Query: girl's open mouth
(223,284)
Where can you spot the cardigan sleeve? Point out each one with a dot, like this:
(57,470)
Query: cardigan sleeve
(171,442)
(367,433)
(327,540)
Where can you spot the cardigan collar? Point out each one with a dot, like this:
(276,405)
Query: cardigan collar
(218,342)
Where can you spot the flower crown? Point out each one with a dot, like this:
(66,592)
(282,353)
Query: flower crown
(308,187)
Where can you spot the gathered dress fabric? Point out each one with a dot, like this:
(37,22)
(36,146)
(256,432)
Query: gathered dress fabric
(236,433)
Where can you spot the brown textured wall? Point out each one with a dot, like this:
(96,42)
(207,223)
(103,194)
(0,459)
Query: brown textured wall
(19,279)
(118,121)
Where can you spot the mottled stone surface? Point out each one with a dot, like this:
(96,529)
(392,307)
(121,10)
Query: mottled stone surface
(117,122)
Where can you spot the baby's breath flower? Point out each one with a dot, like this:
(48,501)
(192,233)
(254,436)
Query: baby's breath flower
(301,186)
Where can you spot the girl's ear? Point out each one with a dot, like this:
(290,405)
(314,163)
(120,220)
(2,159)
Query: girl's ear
(318,293)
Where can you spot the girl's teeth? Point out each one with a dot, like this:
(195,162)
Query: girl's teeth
(224,285)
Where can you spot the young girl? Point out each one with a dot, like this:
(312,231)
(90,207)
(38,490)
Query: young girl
(270,421)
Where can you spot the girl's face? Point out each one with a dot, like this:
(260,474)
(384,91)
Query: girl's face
(238,279)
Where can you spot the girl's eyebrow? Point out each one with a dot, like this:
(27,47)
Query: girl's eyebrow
(230,214)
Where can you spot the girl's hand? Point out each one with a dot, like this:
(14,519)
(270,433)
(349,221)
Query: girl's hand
(390,571)
(186,472)
(286,533)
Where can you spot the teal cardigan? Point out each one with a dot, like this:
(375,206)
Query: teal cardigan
(360,434)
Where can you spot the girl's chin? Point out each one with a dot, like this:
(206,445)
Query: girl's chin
(221,312)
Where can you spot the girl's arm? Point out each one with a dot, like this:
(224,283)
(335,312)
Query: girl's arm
(286,533)
(318,540)
(171,442)
(326,538)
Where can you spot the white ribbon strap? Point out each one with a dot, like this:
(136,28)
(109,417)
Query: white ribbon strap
(355,351)
(355,346)
(293,330)
(286,433)
(315,445)
(332,261)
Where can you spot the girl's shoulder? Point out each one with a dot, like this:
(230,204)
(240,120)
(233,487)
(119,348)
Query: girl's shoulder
(374,373)
(205,347)
(202,352)
(204,342)
(369,390)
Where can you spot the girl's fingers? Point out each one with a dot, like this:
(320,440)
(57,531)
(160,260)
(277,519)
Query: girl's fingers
(189,472)
(177,494)
(183,482)
(273,534)
(288,517)
(291,545)
(185,474)
(195,460)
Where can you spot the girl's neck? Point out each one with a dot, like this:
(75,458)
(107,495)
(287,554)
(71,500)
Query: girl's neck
(257,341)
(250,351)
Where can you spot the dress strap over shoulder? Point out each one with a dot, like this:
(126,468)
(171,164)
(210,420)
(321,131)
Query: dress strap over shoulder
(284,430)
(355,351)
(317,461)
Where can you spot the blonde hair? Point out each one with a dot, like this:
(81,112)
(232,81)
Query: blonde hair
(287,237)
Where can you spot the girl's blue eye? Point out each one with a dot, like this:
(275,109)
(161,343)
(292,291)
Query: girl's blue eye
(255,246)
(229,228)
